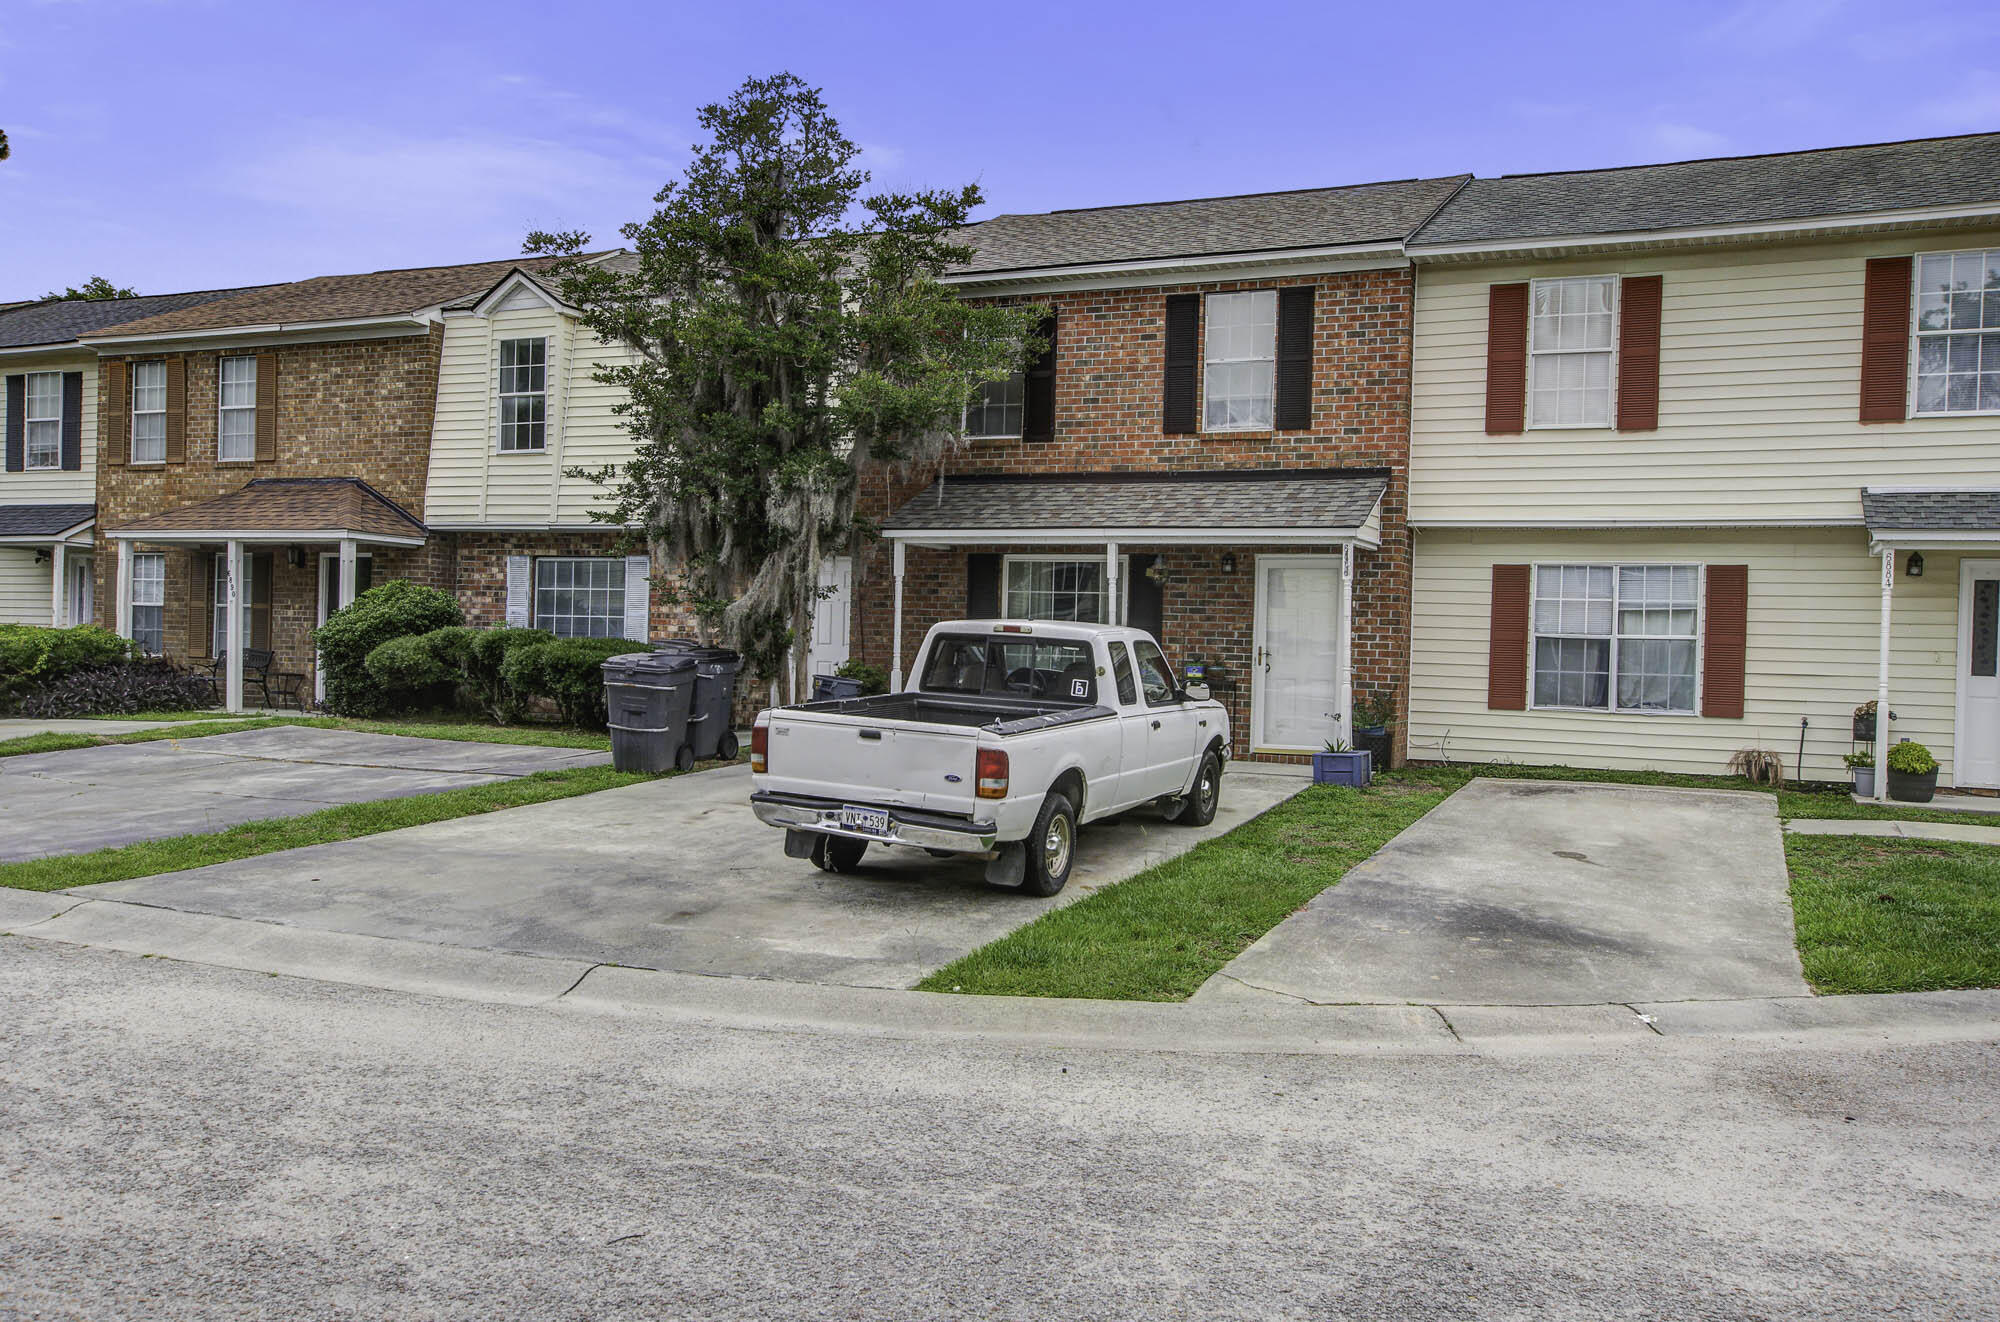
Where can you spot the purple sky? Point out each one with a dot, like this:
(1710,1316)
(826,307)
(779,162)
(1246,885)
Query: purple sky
(181,144)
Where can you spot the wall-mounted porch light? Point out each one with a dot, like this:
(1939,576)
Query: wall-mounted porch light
(1915,566)
(1229,562)
(295,556)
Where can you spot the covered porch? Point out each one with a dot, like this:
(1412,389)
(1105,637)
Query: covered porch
(46,573)
(239,582)
(1246,577)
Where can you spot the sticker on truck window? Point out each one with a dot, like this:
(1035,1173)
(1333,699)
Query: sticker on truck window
(1079,688)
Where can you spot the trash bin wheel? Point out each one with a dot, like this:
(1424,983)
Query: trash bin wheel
(838,853)
(726,748)
(684,758)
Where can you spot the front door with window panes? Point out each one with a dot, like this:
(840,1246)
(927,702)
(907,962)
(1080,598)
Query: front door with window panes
(1295,690)
(1976,758)
(329,598)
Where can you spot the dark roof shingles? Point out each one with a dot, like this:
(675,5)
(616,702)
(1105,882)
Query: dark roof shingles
(63,320)
(1255,498)
(290,504)
(1941,510)
(42,520)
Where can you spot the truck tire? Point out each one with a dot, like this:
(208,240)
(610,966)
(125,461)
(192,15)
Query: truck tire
(838,853)
(1198,808)
(1051,847)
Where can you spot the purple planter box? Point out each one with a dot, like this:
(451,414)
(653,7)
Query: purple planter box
(1353,768)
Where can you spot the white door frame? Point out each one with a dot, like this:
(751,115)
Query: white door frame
(1330,561)
(328,560)
(81,607)
(1968,570)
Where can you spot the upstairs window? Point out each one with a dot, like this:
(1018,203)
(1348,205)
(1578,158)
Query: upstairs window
(996,412)
(1571,339)
(523,394)
(43,413)
(236,396)
(1958,332)
(149,413)
(1239,361)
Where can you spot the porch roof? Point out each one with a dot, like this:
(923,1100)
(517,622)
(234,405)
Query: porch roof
(1931,516)
(1216,507)
(43,523)
(284,509)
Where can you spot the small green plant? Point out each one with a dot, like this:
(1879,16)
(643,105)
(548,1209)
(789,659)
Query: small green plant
(1911,758)
(1375,711)
(1860,759)
(1338,746)
(873,679)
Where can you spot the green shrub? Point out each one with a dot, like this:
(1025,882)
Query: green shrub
(33,656)
(485,656)
(1911,759)
(873,679)
(394,609)
(408,669)
(568,672)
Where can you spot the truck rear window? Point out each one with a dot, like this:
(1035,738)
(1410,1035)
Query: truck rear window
(1045,670)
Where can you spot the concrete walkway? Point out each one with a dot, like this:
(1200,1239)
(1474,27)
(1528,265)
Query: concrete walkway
(1542,892)
(1965,832)
(81,799)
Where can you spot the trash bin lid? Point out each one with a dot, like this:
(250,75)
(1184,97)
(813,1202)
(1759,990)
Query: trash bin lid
(699,651)
(642,667)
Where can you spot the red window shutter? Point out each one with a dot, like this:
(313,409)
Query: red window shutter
(1639,353)
(1506,359)
(1725,622)
(1885,340)
(1507,640)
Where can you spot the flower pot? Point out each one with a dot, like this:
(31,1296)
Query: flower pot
(1864,781)
(1374,740)
(1343,768)
(1906,788)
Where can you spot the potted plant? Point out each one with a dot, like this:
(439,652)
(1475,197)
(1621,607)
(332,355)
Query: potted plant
(1862,764)
(1864,722)
(1374,717)
(1341,765)
(1912,773)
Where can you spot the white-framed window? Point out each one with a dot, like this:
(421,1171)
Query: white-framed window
(149,413)
(149,601)
(236,408)
(1239,360)
(581,597)
(1572,350)
(43,412)
(998,409)
(1057,587)
(1617,637)
(1958,332)
(524,380)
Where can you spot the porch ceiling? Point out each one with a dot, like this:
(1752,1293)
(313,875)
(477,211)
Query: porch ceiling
(284,509)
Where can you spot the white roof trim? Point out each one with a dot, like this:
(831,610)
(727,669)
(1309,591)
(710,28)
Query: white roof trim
(1751,229)
(1359,534)
(1177,270)
(175,536)
(1604,525)
(1930,487)
(1920,539)
(517,279)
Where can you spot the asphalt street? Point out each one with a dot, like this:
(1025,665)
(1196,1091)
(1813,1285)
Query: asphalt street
(190,1142)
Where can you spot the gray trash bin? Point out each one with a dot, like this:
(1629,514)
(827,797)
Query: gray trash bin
(648,695)
(709,728)
(827,687)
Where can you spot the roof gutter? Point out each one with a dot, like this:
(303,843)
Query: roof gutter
(1912,216)
(403,323)
(1168,270)
(175,536)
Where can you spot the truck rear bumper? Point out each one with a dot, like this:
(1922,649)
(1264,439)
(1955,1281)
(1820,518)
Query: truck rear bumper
(920,830)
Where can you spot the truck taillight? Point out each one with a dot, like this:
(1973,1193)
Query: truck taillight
(992,774)
(760,746)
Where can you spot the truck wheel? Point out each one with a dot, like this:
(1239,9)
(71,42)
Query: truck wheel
(1051,847)
(838,853)
(1198,808)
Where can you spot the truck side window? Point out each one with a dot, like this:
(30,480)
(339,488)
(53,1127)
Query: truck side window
(1121,669)
(1154,675)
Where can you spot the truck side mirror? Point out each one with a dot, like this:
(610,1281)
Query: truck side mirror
(1195,691)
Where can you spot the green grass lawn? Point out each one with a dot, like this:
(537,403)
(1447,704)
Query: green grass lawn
(1159,935)
(1877,915)
(467,731)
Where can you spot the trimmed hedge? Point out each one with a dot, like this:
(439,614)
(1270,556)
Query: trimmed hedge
(484,665)
(32,657)
(569,672)
(395,609)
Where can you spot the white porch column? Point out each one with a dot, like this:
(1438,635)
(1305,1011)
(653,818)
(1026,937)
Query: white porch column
(350,557)
(233,631)
(124,589)
(896,627)
(1344,655)
(58,596)
(1882,680)
(1114,599)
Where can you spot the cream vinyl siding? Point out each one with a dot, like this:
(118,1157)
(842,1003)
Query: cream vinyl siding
(24,587)
(470,480)
(1760,361)
(52,486)
(1811,651)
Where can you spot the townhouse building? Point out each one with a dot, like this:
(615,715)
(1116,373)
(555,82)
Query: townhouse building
(1706,455)
(1213,448)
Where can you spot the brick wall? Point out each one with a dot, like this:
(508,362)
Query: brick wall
(482,574)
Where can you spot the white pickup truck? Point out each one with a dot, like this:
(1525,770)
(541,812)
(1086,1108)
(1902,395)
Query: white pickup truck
(1014,734)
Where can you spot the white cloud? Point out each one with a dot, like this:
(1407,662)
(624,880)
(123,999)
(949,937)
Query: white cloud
(1686,140)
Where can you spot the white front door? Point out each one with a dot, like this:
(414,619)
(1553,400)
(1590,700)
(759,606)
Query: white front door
(81,590)
(1294,688)
(830,617)
(1977,759)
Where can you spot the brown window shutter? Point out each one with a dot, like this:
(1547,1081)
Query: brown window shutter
(1507,639)
(267,407)
(1885,340)
(260,600)
(1294,404)
(1724,627)
(1506,359)
(114,419)
(201,604)
(1183,350)
(1038,414)
(176,410)
(1639,353)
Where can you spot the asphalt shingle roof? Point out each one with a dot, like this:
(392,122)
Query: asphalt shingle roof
(1211,226)
(1943,509)
(62,320)
(623,261)
(289,504)
(1277,498)
(1729,191)
(42,520)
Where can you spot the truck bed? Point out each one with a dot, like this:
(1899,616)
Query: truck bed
(973,712)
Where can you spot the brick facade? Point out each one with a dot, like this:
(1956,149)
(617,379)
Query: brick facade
(1110,360)
(482,574)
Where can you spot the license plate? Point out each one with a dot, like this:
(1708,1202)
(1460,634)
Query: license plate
(872,820)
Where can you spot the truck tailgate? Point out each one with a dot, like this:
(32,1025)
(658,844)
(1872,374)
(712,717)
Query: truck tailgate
(904,764)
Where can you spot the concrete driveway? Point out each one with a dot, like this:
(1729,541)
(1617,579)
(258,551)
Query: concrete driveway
(89,798)
(1543,893)
(674,874)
